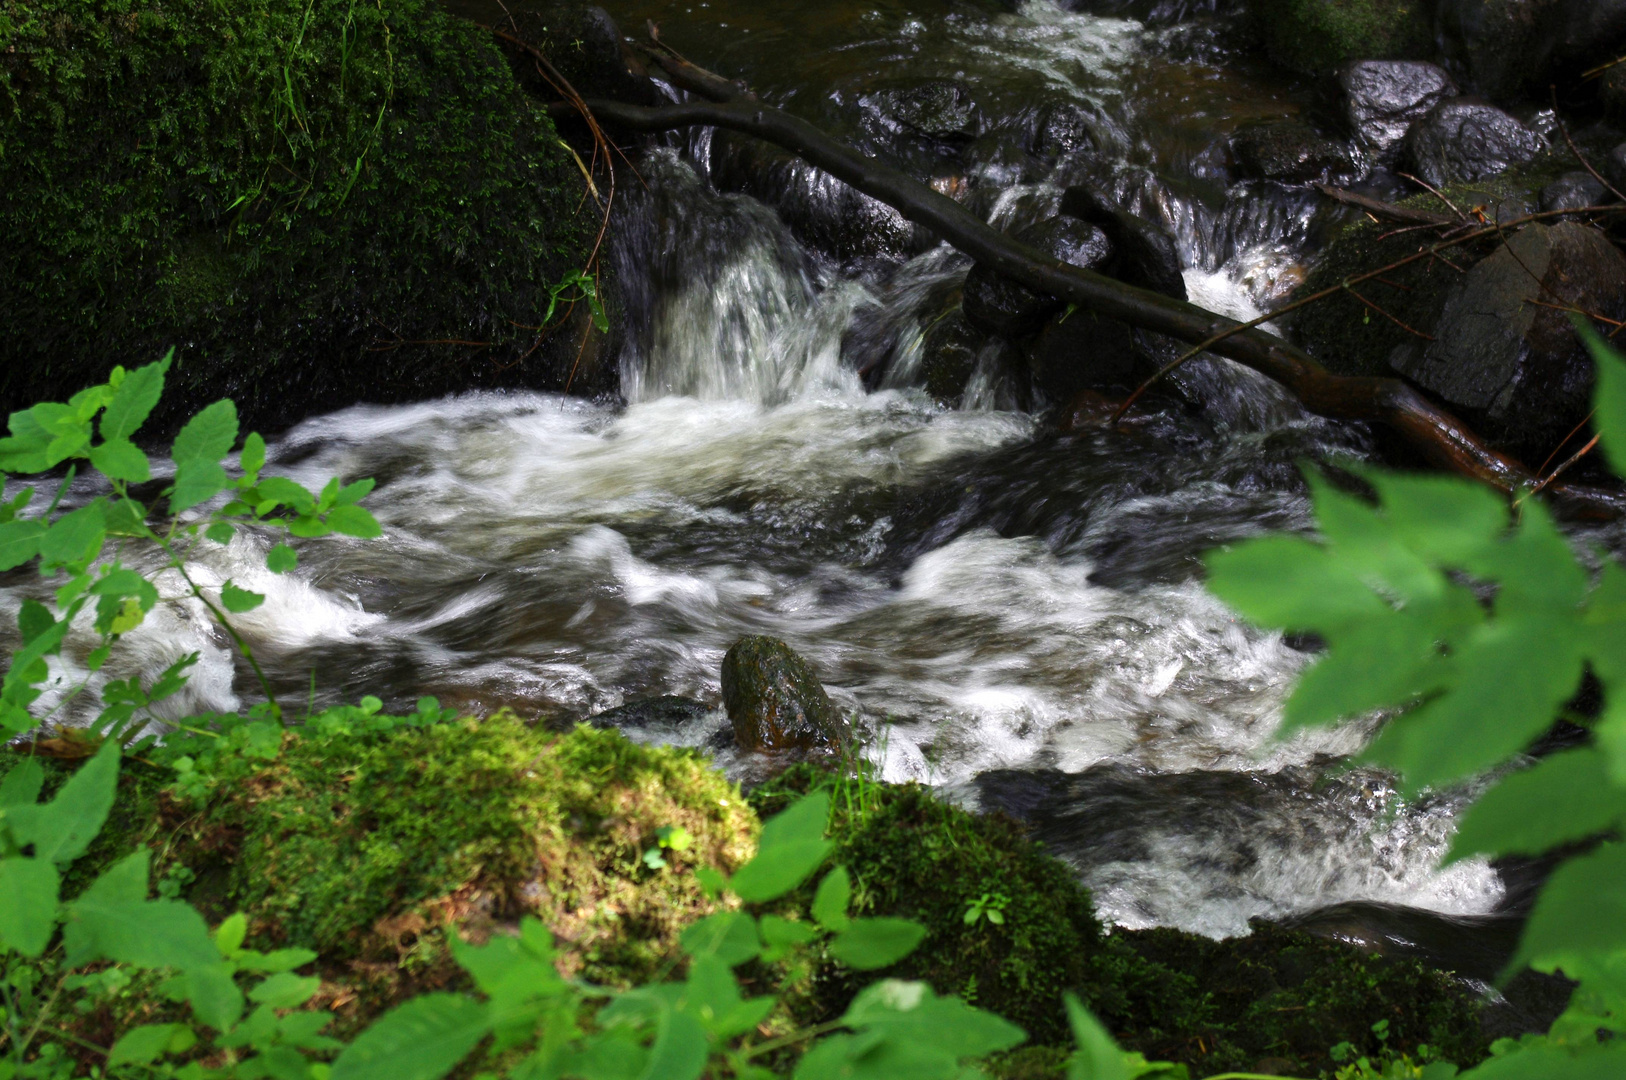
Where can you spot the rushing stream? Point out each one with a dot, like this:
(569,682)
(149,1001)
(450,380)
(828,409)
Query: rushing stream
(1014,616)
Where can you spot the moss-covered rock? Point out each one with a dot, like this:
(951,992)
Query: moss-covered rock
(1316,36)
(365,846)
(314,203)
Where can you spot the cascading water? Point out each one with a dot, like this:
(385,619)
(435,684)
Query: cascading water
(1015,617)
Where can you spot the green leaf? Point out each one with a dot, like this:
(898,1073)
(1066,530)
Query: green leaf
(238,600)
(281,559)
(20,542)
(1510,677)
(220,532)
(510,971)
(280,491)
(208,436)
(253,457)
(1369,665)
(354,521)
(285,991)
(1562,798)
(731,936)
(231,933)
(196,482)
(1596,1062)
(422,1039)
(1097,1057)
(1445,519)
(868,944)
(792,847)
(275,961)
(63,828)
(680,1049)
(1610,397)
(907,1031)
(351,494)
(21,785)
(1580,913)
(1290,583)
(142,1045)
(113,919)
(210,989)
(781,935)
(134,399)
(28,900)
(75,537)
(832,899)
(119,459)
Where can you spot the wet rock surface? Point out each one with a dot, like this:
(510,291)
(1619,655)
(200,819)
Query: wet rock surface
(1290,152)
(584,44)
(1462,141)
(665,711)
(1315,37)
(1145,253)
(1614,168)
(940,110)
(1501,356)
(1506,47)
(1572,191)
(775,700)
(1383,98)
(998,305)
(949,352)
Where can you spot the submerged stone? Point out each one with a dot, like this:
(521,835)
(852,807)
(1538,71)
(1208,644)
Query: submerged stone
(775,700)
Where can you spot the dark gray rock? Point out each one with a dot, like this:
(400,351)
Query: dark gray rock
(667,711)
(775,700)
(1513,366)
(1614,168)
(1462,141)
(1612,94)
(997,305)
(1146,255)
(1572,191)
(1506,48)
(949,352)
(941,110)
(1083,352)
(1383,98)
(1291,152)
(585,45)
(1062,128)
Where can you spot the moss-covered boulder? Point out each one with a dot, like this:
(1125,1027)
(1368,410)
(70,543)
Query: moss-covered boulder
(313,202)
(1317,36)
(370,847)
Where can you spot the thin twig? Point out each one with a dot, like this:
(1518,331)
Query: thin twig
(1585,164)
(1391,318)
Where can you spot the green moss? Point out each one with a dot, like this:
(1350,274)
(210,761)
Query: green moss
(913,855)
(1316,36)
(367,847)
(1288,997)
(299,195)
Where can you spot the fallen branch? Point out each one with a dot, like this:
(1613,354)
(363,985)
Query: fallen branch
(1387,210)
(1438,436)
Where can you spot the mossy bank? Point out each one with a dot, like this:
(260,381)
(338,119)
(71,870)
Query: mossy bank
(313,202)
(373,839)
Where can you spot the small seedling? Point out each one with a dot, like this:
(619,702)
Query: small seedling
(990,906)
(669,838)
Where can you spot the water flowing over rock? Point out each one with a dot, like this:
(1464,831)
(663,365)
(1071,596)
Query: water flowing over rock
(1001,306)
(775,700)
(1463,141)
(1383,98)
(1290,152)
(1146,255)
(1504,358)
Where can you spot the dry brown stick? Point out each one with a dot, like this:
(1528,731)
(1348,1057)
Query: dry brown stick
(1440,437)
(1383,209)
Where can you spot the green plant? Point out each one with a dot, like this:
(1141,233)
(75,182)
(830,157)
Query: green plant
(1476,622)
(990,906)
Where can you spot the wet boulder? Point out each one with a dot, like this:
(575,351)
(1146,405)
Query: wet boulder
(1505,359)
(823,212)
(1144,252)
(667,711)
(1063,127)
(775,700)
(1506,48)
(1614,168)
(584,44)
(1316,37)
(997,305)
(950,349)
(1383,98)
(940,110)
(1573,191)
(1463,141)
(1290,152)
(1612,93)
